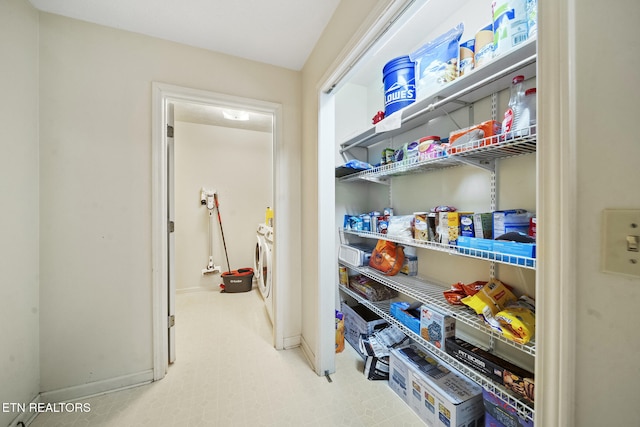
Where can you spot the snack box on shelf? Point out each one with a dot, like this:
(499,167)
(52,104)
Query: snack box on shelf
(475,244)
(517,249)
(436,326)
(438,395)
(410,265)
(408,317)
(511,220)
(359,320)
(466,225)
(483,225)
(493,367)
(448,226)
(500,414)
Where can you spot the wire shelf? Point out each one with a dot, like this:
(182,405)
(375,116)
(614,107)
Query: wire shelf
(383,309)
(479,152)
(508,259)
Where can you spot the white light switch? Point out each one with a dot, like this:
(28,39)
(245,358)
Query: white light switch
(620,240)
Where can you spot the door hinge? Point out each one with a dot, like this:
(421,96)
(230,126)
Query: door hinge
(171,321)
(171,226)
(169,131)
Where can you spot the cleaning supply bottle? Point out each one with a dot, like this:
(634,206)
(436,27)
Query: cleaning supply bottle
(512,115)
(269,217)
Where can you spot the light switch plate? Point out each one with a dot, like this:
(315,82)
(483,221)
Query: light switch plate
(620,228)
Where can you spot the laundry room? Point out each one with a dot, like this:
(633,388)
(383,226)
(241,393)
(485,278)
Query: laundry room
(226,155)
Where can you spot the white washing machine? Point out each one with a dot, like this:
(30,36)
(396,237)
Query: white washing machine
(257,260)
(264,265)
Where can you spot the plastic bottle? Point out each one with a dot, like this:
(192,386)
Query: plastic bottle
(269,217)
(512,115)
(528,117)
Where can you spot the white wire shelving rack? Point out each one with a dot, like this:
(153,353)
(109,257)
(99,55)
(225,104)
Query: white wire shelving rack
(382,308)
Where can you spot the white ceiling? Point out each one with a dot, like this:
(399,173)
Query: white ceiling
(277,32)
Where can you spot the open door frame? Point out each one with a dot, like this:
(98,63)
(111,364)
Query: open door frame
(163,95)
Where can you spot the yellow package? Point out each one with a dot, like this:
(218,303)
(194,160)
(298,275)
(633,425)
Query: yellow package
(518,321)
(339,332)
(491,299)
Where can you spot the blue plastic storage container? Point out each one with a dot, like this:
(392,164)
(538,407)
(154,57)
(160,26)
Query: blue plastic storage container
(399,84)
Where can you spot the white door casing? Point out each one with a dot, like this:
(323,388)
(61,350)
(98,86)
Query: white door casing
(162,96)
(171,211)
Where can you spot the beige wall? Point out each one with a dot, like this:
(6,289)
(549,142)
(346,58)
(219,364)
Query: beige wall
(608,174)
(19,368)
(95,164)
(237,164)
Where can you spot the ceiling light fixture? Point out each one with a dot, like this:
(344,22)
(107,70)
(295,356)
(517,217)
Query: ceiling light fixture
(235,115)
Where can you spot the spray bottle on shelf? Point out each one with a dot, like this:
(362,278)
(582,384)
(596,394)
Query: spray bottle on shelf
(511,120)
(269,217)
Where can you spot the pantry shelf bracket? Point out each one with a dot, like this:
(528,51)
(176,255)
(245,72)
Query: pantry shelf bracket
(488,165)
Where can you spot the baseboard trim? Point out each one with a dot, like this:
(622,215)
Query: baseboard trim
(291,342)
(97,388)
(26,418)
(309,354)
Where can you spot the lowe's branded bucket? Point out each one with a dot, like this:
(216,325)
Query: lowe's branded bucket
(399,84)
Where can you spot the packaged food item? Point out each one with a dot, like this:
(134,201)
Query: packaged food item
(518,320)
(429,147)
(437,62)
(343,276)
(459,139)
(509,24)
(460,290)
(436,326)
(339,331)
(410,265)
(467,51)
(420,226)
(483,46)
(387,257)
(370,289)
(401,226)
(490,300)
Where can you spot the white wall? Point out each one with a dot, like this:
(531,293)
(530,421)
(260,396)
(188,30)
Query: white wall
(238,165)
(607,348)
(95,165)
(19,366)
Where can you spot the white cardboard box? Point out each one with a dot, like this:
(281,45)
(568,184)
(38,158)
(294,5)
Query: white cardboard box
(457,401)
(398,376)
(436,326)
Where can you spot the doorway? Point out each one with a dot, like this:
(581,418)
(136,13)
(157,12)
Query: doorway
(164,97)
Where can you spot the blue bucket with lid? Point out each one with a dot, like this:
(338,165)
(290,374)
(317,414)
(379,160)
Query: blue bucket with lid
(399,84)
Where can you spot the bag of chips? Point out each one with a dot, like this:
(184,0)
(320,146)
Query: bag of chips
(491,299)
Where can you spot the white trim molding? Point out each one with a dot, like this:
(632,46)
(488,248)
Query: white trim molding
(162,94)
(557,204)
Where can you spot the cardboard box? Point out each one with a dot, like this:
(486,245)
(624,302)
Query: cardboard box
(515,252)
(435,326)
(421,399)
(456,400)
(511,220)
(483,225)
(410,265)
(476,247)
(359,320)
(448,227)
(491,366)
(399,376)
(407,318)
(499,414)
(466,225)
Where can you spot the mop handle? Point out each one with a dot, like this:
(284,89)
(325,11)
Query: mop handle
(224,243)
